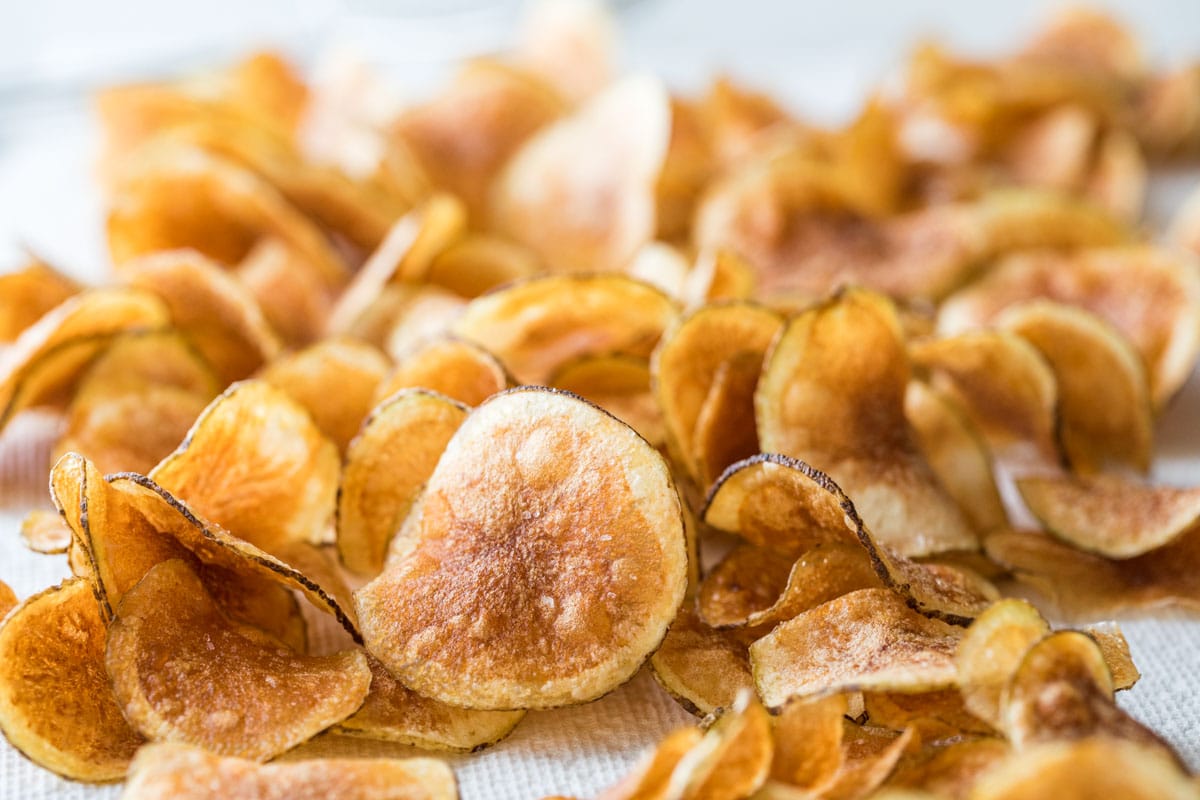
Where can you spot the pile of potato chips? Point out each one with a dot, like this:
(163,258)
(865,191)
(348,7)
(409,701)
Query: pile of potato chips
(481,380)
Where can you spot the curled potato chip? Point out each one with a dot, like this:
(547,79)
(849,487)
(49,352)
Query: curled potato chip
(181,772)
(832,393)
(620,384)
(218,314)
(55,703)
(335,380)
(650,777)
(746,581)
(868,639)
(45,532)
(386,467)
(718,275)
(503,508)
(990,653)
(687,361)
(945,706)
(293,296)
(1150,294)
(456,368)
(256,701)
(28,293)
(257,465)
(734,757)
(480,262)
(1111,641)
(538,325)
(1094,767)
(429,314)
(947,769)
(589,214)
(725,431)
(1105,416)
(701,667)
(870,755)
(808,741)
(1110,515)
(394,713)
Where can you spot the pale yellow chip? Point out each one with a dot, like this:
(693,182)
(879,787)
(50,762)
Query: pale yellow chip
(458,369)
(547,526)
(480,262)
(991,651)
(701,667)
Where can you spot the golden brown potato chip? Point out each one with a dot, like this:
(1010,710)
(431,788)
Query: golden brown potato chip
(870,755)
(808,742)
(868,639)
(701,667)
(685,368)
(734,757)
(55,703)
(718,275)
(686,170)
(456,368)
(536,326)
(428,314)
(725,429)
(480,262)
(8,599)
(594,213)
(394,713)
(1111,641)
(620,384)
(28,293)
(1096,767)
(1151,295)
(947,769)
(45,532)
(217,313)
(1167,112)
(832,393)
(335,380)
(990,653)
(181,772)
(256,700)
(257,465)
(650,777)
(1110,515)
(747,580)
(547,526)
(42,365)
(1106,419)
(899,711)
(294,298)
(386,467)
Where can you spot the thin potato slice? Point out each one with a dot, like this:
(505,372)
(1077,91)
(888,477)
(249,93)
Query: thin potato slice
(571,45)
(213,309)
(824,573)
(45,532)
(1111,641)
(336,382)
(650,777)
(990,653)
(8,599)
(256,699)
(1150,294)
(536,326)
(55,703)
(868,639)
(293,296)
(429,314)
(394,713)
(456,368)
(1106,420)
(732,760)
(808,742)
(386,467)
(1110,515)
(832,393)
(1096,767)
(870,755)
(620,384)
(257,465)
(948,769)
(589,214)
(181,772)
(946,707)
(479,263)
(569,533)
(701,667)
(28,293)
(747,580)
(725,429)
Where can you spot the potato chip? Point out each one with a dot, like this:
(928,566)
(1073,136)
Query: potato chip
(1111,641)
(948,769)
(701,667)
(946,706)
(394,713)
(990,653)
(808,742)
(428,314)
(1112,516)
(1091,360)
(747,580)
(218,315)
(182,772)
(736,116)
(502,508)
(257,465)
(456,368)
(536,326)
(593,214)
(8,599)
(480,262)
(832,393)
(725,431)
(42,365)
(1095,767)
(718,275)
(256,701)
(734,757)
(45,532)
(55,703)
(620,384)
(335,380)
(293,297)
(868,639)
(386,467)
(1150,294)
(870,755)
(649,778)
(685,368)
(28,293)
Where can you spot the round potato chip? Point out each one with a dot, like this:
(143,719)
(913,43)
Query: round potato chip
(701,667)
(546,565)
(734,757)
(459,369)
(184,672)
(990,652)
(481,262)
(45,532)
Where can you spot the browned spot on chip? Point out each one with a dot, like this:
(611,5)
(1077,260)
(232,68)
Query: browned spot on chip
(456,368)
(546,565)
(181,772)
(255,700)
(701,667)
(45,532)
(386,467)
(620,384)
(868,639)
(55,703)
(28,293)
(991,651)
